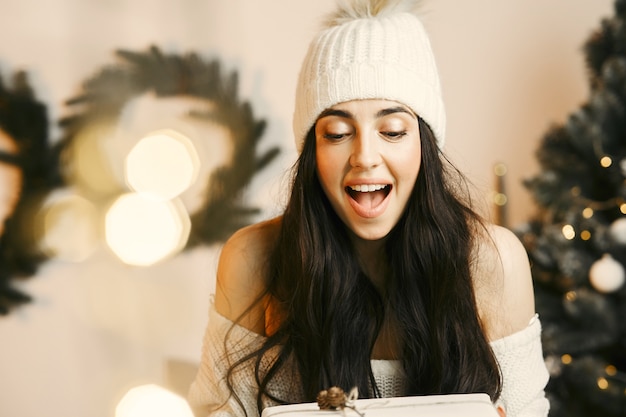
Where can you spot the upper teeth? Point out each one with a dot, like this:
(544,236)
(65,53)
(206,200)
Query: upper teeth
(367,187)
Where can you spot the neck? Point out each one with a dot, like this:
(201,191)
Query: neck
(373,260)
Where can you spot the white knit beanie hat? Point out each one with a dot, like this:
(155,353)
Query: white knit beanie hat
(370,49)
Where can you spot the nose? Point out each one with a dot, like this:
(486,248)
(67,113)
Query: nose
(365,152)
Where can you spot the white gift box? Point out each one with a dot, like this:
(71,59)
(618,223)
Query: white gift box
(450,405)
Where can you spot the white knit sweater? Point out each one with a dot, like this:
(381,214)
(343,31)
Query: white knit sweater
(519,355)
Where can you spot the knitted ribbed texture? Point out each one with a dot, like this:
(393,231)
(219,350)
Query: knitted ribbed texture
(525,375)
(519,355)
(388,376)
(209,393)
(381,57)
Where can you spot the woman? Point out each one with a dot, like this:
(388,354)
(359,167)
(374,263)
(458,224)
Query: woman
(379,275)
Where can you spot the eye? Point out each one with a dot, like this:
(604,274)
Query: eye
(333,129)
(334,136)
(394,135)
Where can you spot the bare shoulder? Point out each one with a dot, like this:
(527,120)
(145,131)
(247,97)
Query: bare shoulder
(241,273)
(503,283)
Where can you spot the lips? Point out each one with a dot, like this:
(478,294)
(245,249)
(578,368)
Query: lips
(368,200)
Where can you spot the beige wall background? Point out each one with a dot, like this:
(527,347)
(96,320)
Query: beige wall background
(97,328)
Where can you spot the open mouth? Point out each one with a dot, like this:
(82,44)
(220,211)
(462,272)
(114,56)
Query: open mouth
(369,196)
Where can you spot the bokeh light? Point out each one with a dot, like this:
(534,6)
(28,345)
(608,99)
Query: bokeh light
(91,153)
(588,213)
(68,225)
(163,164)
(142,231)
(568,231)
(603,383)
(500,169)
(152,401)
(500,199)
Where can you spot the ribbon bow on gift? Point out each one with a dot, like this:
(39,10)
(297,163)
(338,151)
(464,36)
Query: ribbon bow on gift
(335,398)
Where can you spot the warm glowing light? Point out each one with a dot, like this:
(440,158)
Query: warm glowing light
(571,295)
(568,231)
(499,169)
(588,213)
(610,370)
(68,226)
(152,401)
(585,235)
(606,162)
(499,199)
(91,159)
(143,231)
(566,359)
(603,383)
(622,208)
(162,164)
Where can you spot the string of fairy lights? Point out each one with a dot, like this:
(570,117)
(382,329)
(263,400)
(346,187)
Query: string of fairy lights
(142,226)
(606,274)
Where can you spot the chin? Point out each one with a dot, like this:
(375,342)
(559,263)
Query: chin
(365,233)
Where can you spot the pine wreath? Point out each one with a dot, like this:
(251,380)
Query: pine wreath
(104,96)
(24,119)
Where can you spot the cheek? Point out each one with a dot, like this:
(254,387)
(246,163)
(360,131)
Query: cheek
(325,173)
(328,163)
(408,163)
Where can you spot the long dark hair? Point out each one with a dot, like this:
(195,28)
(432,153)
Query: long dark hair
(331,313)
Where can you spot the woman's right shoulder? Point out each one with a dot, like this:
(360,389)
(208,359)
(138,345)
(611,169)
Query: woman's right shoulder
(252,242)
(241,272)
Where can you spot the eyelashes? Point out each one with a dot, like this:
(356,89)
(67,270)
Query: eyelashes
(335,136)
(395,135)
(392,135)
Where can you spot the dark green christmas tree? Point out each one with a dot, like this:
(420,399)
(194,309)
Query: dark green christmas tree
(577,239)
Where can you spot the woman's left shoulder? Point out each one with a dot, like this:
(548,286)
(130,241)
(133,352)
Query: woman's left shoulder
(503,282)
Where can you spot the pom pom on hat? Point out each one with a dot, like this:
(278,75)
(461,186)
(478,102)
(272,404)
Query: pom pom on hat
(370,49)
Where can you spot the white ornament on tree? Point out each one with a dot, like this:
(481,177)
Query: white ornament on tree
(606,274)
(617,231)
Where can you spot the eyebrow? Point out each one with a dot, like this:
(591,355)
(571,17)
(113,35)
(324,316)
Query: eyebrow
(392,110)
(381,113)
(336,112)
